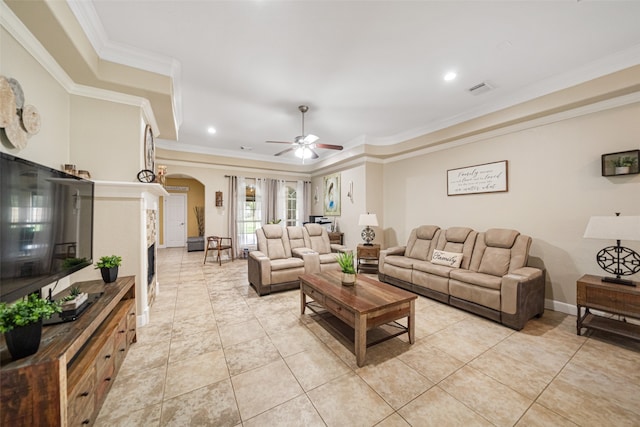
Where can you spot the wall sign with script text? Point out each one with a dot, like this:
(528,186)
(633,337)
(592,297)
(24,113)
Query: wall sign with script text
(486,178)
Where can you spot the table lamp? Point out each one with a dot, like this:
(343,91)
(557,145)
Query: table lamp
(617,259)
(369,220)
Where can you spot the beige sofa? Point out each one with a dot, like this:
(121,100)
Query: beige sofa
(492,278)
(284,253)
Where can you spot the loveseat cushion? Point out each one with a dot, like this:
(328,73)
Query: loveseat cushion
(296,237)
(318,238)
(284,264)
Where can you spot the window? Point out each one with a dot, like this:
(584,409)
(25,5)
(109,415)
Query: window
(251,217)
(291,206)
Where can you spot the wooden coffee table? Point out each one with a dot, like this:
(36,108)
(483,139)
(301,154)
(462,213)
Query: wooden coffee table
(364,306)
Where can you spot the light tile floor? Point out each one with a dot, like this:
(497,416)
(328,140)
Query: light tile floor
(216,354)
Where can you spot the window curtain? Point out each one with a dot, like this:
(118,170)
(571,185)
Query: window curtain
(303,201)
(273,205)
(237,198)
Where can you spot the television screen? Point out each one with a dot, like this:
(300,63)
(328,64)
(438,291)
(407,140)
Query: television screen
(46,226)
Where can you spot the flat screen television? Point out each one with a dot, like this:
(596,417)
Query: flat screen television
(46,226)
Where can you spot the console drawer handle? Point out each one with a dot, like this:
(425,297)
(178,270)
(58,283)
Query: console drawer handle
(84,394)
(108,356)
(87,421)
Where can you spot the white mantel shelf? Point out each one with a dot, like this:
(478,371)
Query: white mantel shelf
(123,189)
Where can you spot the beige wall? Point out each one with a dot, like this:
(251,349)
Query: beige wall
(106,139)
(50,146)
(555,185)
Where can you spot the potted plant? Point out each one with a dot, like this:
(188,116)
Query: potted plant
(623,164)
(21,324)
(74,300)
(108,266)
(345,260)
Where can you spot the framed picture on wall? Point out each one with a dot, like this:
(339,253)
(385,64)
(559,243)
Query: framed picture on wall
(331,199)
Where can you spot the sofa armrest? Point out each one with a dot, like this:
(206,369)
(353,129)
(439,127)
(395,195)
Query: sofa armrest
(394,250)
(310,257)
(259,270)
(522,296)
(339,248)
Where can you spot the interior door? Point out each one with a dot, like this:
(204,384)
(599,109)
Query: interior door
(175,208)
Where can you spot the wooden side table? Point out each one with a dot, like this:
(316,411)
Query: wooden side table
(336,237)
(593,293)
(367,257)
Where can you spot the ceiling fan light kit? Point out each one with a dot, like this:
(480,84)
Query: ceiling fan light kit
(303,145)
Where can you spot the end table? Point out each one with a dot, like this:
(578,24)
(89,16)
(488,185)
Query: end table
(593,293)
(367,256)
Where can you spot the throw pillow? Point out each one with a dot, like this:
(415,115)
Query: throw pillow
(450,259)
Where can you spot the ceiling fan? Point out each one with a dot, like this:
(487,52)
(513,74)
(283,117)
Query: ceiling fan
(303,145)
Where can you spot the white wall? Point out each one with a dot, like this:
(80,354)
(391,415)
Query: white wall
(555,185)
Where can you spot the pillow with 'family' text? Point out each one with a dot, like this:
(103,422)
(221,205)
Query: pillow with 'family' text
(450,259)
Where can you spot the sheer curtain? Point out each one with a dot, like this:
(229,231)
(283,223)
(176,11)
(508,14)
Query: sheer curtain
(273,201)
(303,201)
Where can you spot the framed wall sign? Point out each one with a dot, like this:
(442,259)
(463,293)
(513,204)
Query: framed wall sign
(485,178)
(331,198)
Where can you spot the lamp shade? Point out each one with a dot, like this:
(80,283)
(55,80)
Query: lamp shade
(368,220)
(613,228)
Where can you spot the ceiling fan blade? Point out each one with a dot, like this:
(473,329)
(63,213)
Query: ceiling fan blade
(329,146)
(279,142)
(310,139)
(285,151)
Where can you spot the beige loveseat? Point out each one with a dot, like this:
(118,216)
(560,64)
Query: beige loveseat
(285,253)
(485,273)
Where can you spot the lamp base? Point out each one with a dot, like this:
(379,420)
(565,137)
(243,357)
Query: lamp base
(618,281)
(367,244)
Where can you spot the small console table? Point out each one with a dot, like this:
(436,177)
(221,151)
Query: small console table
(593,293)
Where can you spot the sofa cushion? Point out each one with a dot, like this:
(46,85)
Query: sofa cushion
(318,238)
(273,231)
(419,244)
(500,237)
(478,279)
(457,234)
(495,261)
(450,259)
(328,258)
(287,263)
(399,261)
(435,269)
(296,237)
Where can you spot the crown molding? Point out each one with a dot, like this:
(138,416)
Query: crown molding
(12,24)
(120,53)
(617,61)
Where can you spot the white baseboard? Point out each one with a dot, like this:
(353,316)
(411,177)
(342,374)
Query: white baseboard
(562,307)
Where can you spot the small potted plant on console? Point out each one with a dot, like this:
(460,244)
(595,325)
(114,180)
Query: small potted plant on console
(108,266)
(21,324)
(345,260)
(74,300)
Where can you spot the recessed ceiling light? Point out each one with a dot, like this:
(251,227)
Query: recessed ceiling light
(211,130)
(450,76)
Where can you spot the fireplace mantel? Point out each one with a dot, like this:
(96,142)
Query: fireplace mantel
(122,189)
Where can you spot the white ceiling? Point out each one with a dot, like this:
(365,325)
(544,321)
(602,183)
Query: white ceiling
(371,71)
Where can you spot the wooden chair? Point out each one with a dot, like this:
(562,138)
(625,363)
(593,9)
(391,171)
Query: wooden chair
(219,244)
